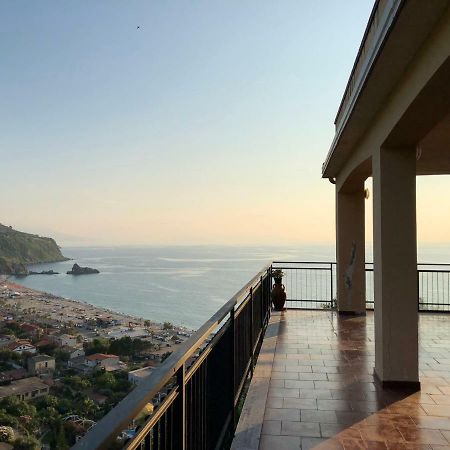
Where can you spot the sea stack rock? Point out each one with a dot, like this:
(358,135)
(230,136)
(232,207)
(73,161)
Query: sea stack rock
(77,270)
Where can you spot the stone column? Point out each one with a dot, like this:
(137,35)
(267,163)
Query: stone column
(395,267)
(350,249)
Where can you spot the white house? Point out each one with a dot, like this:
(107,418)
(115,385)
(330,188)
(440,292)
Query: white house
(21,346)
(136,376)
(66,340)
(74,352)
(99,361)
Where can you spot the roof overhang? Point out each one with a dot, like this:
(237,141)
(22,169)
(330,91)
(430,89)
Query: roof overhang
(388,46)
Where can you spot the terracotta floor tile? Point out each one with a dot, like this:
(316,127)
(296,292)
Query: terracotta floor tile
(320,444)
(446,434)
(316,393)
(272,427)
(282,414)
(309,415)
(298,384)
(432,422)
(407,446)
(339,431)
(328,384)
(323,395)
(279,443)
(440,399)
(303,429)
(410,409)
(421,397)
(361,405)
(359,444)
(284,375)
(394,420)
(314,376)
(333,405)
(283,392)
(300,403)
(274,402)
(422,435)
(381,433)
(438,410)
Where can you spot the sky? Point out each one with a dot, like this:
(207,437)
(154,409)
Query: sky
(208,124)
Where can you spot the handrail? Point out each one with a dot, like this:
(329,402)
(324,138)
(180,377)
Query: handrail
(334,263)
(105,431)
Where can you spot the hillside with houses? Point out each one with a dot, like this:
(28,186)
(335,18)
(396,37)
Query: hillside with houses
(58,377)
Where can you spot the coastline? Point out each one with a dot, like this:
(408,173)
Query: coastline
(21,303)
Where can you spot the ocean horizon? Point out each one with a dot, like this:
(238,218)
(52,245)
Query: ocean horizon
(184,285)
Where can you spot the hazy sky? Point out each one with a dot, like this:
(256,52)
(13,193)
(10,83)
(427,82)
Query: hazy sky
(208,124)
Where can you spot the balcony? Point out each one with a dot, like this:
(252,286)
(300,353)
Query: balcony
(302,378)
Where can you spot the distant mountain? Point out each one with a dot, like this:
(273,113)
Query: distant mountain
(17,249)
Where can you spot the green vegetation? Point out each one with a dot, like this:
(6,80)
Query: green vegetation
(42,420)
(27,443)
(124,346)
(18,249)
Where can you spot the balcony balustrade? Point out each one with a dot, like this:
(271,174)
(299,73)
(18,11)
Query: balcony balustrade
(198,391)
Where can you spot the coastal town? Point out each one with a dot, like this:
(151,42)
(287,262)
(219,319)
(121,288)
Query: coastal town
(64,364)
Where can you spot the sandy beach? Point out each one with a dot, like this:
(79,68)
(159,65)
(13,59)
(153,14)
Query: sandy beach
(21,303)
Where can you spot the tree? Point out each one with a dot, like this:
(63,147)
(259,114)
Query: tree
(61,355)
(8,419)
(126,346)
(15,329)
(98,345)
(17,408)
(6,354)
(167,326)
(47,401)
(77,382)
(89,407)
(105,380)
(59,442)
(27,443)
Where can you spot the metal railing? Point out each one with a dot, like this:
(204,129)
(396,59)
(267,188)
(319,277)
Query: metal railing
(196,391)
(312,285)
(434,287)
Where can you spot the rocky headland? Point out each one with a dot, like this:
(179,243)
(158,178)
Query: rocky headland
(18,249)
(78,270)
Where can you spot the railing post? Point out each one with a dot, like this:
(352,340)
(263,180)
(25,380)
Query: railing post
(263,301)
(331,286)
(180,411)
(251,330)
(269,291)
(418,291)
(232,366)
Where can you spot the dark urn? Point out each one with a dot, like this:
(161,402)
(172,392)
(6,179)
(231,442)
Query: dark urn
(278,293)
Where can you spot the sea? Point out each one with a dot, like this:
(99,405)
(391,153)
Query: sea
(184,285)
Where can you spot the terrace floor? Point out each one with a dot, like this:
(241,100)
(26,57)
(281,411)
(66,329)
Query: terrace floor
(321,392)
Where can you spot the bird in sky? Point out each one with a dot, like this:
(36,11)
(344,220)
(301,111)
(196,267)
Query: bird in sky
(138,27)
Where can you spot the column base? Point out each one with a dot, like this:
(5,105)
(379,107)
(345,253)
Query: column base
(352,313)
(410,386)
